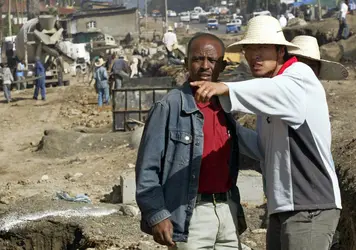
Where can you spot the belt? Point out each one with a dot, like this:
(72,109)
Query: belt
(214,198)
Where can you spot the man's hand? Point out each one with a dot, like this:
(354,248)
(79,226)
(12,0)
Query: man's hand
(206,90)
(163,232)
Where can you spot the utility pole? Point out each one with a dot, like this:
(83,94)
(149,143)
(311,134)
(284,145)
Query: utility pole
(17,12)
(146,22)
(9,18)
(28,9)
(319,10)
(165,23)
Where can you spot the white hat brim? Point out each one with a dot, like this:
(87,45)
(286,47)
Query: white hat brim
(329,70)
(332,71)
(238,46)
(98,64)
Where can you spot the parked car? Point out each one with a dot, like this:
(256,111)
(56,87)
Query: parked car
(194,16)
(184,17)
(171,13)
(213,24)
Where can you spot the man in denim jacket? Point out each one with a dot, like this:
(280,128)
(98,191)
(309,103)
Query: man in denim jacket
(187,163)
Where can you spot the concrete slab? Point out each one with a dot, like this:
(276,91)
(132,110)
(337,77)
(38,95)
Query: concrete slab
(128,187)
(251,187)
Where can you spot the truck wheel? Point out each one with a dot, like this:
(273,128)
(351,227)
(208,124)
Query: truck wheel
(78,71)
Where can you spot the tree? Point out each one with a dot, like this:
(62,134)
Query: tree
(34,8)
(1,20)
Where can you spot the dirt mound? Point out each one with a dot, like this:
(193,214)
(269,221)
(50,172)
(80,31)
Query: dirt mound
(62,143)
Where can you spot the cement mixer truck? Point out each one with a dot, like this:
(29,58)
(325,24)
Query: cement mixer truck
(39,37)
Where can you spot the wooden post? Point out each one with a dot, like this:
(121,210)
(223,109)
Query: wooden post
(9,18)
(25,44)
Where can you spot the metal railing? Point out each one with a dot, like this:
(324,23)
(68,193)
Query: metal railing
(133,104)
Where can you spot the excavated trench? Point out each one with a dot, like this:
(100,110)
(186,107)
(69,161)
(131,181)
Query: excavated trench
(45,235)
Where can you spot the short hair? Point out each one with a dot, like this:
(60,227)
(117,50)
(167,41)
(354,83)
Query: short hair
(203,34)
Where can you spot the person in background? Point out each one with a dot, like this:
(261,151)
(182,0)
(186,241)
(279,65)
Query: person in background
(283,21)
(7,80)
(40,84)
(20,75)
(101,82)
(169,39)
(343,32)
(308,53)
(121,71)
(188,161)
(60,69)
(294,136)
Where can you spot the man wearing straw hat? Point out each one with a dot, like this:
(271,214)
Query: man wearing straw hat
(169,39)
(308,53)
(303,195)
(101,82)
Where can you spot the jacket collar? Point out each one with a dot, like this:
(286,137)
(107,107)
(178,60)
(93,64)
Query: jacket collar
(188,103)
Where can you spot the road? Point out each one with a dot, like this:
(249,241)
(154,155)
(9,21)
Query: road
(199,26)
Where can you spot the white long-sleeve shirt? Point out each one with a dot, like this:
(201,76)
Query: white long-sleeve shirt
(294,136)
(169,39)
(343,10)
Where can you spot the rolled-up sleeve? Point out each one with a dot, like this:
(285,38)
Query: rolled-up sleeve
(149,192)
(283,96)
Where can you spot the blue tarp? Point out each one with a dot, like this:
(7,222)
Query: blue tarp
(305,2)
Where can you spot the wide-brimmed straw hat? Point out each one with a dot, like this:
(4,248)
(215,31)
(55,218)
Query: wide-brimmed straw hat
(262,30)
(170,28)
(99,62)
(309,48)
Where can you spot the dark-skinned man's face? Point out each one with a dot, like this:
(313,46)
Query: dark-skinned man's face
(205,60)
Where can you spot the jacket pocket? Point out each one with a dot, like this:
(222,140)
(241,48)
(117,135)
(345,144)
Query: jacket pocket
(179,147)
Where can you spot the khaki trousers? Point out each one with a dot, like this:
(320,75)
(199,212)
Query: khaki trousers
(212,227)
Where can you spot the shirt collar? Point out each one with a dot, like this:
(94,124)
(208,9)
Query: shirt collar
(287,64)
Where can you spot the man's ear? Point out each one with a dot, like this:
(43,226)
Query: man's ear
(186,62)
(223,65)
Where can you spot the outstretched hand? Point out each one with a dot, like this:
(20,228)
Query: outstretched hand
(206,90)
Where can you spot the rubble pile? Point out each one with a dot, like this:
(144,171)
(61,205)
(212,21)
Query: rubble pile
(83,112)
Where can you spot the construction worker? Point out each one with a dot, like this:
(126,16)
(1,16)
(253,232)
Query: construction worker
(40,72)
(169,39)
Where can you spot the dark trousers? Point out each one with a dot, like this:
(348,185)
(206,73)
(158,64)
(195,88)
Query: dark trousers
(302,230)
(343,32)
(40,85)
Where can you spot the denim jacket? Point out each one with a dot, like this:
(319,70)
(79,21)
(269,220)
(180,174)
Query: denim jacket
(169,159)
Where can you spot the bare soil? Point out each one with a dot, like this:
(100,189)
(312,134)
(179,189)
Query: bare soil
(79,154)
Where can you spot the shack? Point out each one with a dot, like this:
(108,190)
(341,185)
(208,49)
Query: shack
(115,21)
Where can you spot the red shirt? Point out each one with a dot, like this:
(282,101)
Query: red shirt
(214,170)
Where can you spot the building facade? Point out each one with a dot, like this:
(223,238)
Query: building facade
(114,21)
